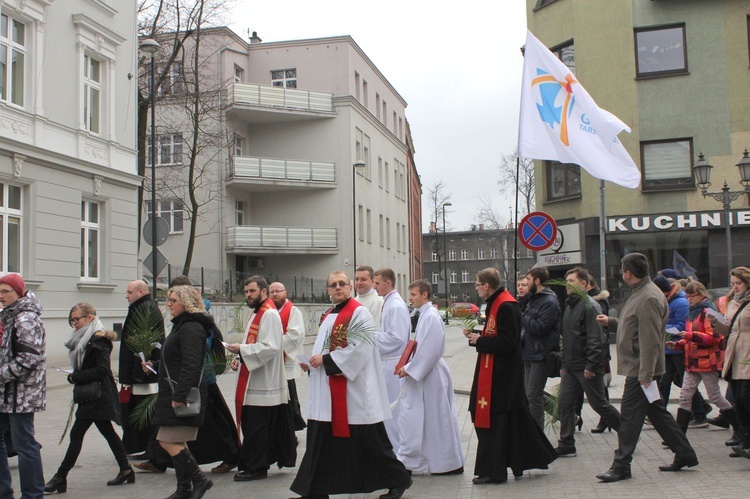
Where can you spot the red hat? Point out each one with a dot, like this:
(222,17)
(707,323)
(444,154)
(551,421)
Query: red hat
(16,282)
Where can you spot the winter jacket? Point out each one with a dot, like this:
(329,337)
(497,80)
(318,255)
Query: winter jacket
(541,325)
(738,343)
(130,371)
(678,313)
(96,367)
(582,338)
(23,357)
(602,298)
(703,347)
(184,354)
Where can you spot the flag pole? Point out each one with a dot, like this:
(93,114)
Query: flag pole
(602,246)
(515,228)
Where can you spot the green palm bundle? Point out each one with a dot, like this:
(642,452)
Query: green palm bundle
(219,364)
(580,293)
(359,330)
(141,415)
(146,331)
(469,323)
(68,422)
(551,410)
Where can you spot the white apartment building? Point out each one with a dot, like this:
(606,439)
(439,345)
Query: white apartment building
(68,183)
(297,116)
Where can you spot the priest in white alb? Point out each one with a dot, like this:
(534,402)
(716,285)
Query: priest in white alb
(366,294)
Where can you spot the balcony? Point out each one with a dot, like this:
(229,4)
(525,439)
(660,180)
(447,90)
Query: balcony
(269,104)
(264,174)
(261,240)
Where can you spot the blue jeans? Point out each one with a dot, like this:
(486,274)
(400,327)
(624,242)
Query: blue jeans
(29,457)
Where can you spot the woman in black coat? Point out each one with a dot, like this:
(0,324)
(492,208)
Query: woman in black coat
(181,368)
(90,348)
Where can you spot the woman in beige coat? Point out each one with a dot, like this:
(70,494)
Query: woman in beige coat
(736,369)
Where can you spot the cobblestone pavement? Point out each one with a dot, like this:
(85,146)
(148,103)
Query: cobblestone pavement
(717,476)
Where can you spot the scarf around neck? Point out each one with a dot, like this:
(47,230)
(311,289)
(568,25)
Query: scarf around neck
(78,340)
(741,296)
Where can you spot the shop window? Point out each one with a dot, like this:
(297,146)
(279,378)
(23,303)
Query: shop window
(667,164)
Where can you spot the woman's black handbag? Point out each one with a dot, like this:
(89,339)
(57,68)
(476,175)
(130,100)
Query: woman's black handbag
(192,406)
(87,392)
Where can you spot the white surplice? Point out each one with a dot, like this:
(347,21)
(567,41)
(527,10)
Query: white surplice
(366,397)
(374,304)
(294,339)
(265,361)
(394,332)
(427,422)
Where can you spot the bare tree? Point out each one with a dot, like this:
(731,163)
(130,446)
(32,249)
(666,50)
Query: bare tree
(526,180)
(487,215)
(438,195)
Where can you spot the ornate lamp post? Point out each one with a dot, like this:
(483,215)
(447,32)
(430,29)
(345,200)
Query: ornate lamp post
(702,171)
(151,47)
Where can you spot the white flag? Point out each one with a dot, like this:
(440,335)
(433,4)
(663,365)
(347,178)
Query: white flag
(560,121)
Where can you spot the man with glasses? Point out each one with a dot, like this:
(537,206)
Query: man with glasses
(261,397)
(348,450)
(136,385)
(293,325)
(23,384)
(640,358)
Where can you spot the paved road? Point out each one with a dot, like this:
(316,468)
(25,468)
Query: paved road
(717,476)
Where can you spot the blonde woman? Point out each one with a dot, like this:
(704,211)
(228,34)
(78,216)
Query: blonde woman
(89,348)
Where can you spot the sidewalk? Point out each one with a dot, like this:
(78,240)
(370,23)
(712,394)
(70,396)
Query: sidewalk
(717,476)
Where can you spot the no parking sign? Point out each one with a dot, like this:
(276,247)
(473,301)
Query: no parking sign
(537,231)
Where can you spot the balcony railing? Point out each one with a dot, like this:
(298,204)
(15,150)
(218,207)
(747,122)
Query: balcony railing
(244,167)
(302,238)
(279,97)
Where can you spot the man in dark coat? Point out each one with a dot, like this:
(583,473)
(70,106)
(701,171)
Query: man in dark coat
(584,357)
(136,384)
(541,335)
(506,432)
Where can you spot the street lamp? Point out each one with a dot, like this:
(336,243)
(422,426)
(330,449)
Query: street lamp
(359,165)
(445,260)
(702,172)
(150,48)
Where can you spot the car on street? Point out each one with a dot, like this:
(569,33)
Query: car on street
(462,309)
(482,314)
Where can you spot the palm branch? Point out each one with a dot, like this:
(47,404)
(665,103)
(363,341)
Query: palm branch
(146,328)
(142,414)
(551,409)
(217,364)
(359,330)
(68,422)
(580,293)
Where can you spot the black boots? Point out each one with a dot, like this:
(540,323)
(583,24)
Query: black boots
(59,483)
(189,471)
(683,419)
(184,485)
(123,476)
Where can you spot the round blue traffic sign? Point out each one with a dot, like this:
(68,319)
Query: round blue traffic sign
(537,231)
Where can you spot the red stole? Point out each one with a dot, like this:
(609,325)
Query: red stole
(487,364)
(252,337)
(337,383)
(285,312)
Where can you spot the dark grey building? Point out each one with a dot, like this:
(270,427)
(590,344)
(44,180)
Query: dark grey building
(460,255)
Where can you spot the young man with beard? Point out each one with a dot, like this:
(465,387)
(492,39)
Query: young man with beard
(541,335)
(366,294)
(348,450)
(508,436)
(395,330)
(261,397)
(293,324)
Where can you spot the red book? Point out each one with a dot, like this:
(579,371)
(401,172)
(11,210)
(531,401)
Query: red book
(411,345)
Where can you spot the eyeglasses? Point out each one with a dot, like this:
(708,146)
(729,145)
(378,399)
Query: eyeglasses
(277,292)
(479,284)
(171,301)
(74,320)
(340,284)
(6,291)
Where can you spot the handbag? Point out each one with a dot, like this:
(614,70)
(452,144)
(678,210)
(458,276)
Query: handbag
(87,392)
(192,406)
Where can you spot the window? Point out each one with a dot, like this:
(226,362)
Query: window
(238,143)
(286,78)
(465,276)
(566,52)
(364,93)
(400,128)
(387,179)
(380,172)
(10,230)
(174,81)
(382,237)
(90,232)
(169,149)
(480,254)
(388,233)
(369,226)
(563,180)
(493,252)
(239,213)
(453,277)
(454,298)
(239,74)
(171,211)
(361,231)
(385,114)
(92,89)
(366,157)
(435,278)
(667,164)
(464,254)
(660,51)
(377,105)
(434,256)
(395,180)
(451,255)
(395,123)
(403,238)
(12,59)
(356,87)
(398,237)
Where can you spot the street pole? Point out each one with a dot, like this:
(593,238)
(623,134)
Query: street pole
(355,166)
(727,200)
(445,256)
